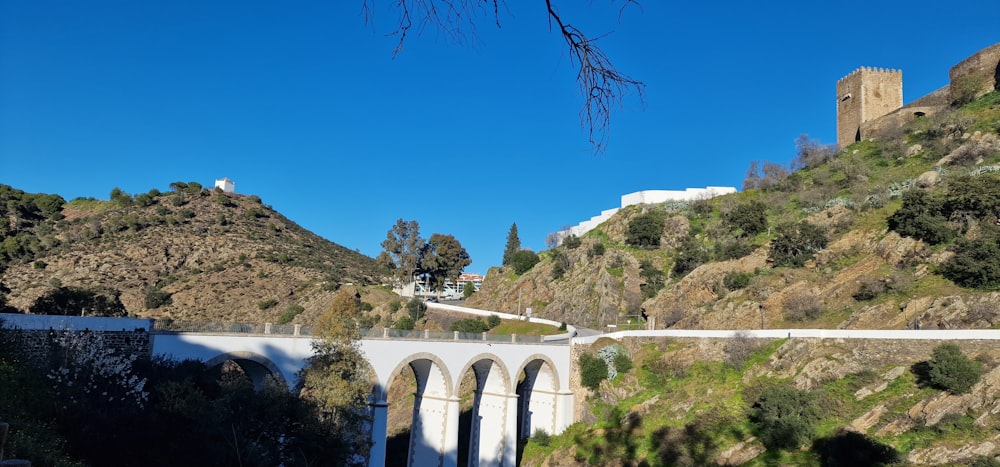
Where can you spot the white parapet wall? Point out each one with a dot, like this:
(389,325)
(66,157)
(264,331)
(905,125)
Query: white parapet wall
(644,197)
(662,196)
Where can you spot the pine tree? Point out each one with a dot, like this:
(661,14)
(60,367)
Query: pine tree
(513,244)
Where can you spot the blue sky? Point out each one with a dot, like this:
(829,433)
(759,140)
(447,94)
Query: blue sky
(303,104)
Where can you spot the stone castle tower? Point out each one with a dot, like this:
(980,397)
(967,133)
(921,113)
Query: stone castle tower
(865,95)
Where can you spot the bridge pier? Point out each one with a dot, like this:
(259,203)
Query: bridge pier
(380,419)
(434,432)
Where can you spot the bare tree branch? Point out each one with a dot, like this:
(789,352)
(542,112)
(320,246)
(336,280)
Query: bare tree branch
(601,84)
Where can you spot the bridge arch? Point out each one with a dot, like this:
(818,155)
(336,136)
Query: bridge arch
(538,396)
(494,408)
(257,367)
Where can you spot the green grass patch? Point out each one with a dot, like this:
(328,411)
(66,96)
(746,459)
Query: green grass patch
(524,328)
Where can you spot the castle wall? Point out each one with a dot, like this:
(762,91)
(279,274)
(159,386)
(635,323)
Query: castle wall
(981,70)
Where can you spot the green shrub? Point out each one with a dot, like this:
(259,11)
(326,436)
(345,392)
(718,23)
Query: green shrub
(690,255)
(653,279)
(469,325)
(736,280)
(571,242)
(468,289)
(747,219)
(950,370)
(267,303)
(593,370)
(849,448)
(922,217)
(796,244)
(156,298)
(395,305)
(492,321)
(541,437)
(405,323)
(976,263)
(785,417)
(596,249)
(365,306)
(523,260)
(871,287)
(291,311)
(645,230)
(416,308)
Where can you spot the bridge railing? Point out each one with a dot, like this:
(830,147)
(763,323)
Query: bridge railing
(306,331)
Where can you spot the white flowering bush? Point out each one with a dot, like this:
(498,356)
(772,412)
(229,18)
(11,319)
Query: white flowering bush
(616,358)
(89,371)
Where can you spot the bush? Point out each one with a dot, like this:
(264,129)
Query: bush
(736,280)
(652,279)
(950,370)
(73,301)
(416,309)
(796,244)
(395,305)
(976,263)
(405,323)
(690,255)
(541,437)
(523,260)
(802,306)
(596,249)
(470,325)
(922,217)
(849,448)
(492,321)
(785,417)
(571,242)
(645,230)
(593,370)
(267,303)
(747,219)
(871,287)
(290,313)
(156,298)
(738,349)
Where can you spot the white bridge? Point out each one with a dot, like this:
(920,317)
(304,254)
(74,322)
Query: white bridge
(520,387)
(521,383)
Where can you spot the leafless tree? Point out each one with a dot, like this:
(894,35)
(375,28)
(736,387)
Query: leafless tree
(603,87)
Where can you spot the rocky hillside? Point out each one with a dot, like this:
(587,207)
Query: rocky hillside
(895,232)
(191,254)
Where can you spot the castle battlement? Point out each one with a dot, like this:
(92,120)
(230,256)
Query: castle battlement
(889,72)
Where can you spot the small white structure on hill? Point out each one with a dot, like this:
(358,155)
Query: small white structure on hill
(226,185)
(644,197)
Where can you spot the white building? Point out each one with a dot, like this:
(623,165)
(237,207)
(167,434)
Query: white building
(226,185)
(645,197)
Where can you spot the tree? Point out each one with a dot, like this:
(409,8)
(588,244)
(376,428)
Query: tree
(80,301)
(644,231)
(600,83)
(513,244)
(402,247)
(337,377)
(523,260)
(593,370)
(950,370)
(748,218)
(785,417)
(811,153)
(922,217)
(796,244)
(416,308)
(468,289)
(976,263)
(120,198)
(443,258)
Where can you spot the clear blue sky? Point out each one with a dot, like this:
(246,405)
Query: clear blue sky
(303,104)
